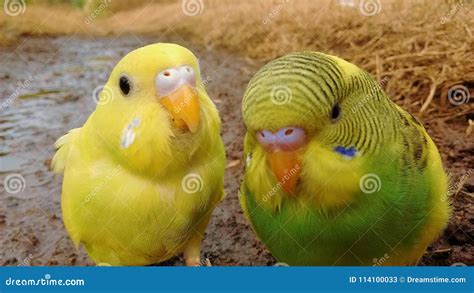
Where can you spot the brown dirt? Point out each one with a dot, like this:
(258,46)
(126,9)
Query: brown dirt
(64,73)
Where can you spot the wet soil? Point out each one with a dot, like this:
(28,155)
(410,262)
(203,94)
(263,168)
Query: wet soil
(46,89)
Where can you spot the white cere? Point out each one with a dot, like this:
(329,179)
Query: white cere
(187,72)
(170,79)
(167,80)
(128,135)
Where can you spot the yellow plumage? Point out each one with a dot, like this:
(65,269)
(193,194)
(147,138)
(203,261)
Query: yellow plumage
(141,179)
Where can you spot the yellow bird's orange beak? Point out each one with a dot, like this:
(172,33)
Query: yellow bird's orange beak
(183,106)
(286,167)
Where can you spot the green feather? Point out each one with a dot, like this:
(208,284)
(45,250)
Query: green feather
(331,220)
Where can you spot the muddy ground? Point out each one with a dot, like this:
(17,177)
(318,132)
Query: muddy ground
(46,89)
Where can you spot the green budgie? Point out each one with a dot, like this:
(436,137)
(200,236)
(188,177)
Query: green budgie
(336,173)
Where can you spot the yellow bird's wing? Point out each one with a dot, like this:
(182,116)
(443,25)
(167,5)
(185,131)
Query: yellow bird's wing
(59,164)
(62,146)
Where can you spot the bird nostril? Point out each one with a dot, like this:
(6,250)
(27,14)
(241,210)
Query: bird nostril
(167,73)
(262,134)
(289,132)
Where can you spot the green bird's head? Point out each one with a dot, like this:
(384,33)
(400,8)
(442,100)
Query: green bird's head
(307,115)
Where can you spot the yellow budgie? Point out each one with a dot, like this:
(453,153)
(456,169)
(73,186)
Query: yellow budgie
(143,174)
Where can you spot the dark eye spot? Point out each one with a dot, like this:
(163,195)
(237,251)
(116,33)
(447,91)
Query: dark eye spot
(124,84)
(335,112)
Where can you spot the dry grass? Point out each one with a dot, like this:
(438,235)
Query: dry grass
(407,43)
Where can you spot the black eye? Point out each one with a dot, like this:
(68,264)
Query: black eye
(124,84)
(335,112)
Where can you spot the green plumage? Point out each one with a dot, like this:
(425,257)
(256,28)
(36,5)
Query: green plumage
(331,219)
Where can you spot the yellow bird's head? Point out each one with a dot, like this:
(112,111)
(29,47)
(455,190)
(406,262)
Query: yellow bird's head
(154,114)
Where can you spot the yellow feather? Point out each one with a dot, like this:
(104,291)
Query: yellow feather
(129,204)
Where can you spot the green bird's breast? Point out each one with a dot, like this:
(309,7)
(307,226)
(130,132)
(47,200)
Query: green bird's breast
(301,235)
(396,222)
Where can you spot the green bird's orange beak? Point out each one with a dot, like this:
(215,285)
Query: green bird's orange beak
(285,165)
(282,151)
(183,106)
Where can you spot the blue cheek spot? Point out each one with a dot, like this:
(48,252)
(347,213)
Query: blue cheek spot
(347,152)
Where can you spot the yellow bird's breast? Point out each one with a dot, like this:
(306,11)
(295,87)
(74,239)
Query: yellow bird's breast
(125,219)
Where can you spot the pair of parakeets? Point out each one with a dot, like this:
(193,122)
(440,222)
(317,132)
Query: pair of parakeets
(336,174)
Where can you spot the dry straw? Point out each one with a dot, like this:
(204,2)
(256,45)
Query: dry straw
(419,50)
